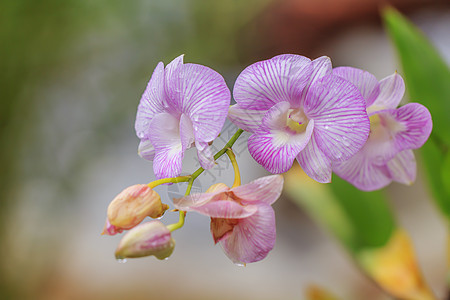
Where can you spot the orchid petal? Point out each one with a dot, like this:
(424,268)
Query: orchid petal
(202,94)
(366,83)
(321,67)
(410,125)
(363,173)
(146,149)
(341,122)
(252,238)
(151,103)
(205,155)
(262,190)
(165,136)
(275,149)
(195,200)
(186,132)
(315,163)
(247,119)
(217,188)
(265,83)
(215,205)
(402,167)
(226,209)
(392,89)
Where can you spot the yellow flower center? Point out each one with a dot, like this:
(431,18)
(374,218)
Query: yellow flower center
(296,120)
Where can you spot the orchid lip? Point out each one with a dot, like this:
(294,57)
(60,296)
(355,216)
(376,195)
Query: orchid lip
(296,120)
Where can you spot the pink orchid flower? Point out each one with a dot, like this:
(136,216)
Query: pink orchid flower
(183,105)
(296,108)
(242,218)
(387,155)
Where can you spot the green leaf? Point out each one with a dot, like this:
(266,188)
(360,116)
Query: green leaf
(359,220)
(426,74)
(428,81)
(368,212)
(438,175)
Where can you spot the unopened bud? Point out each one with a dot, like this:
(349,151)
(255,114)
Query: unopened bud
(151,238)
(131,206)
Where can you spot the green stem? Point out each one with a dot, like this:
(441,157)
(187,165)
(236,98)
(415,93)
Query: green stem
(197,173)
(155,183)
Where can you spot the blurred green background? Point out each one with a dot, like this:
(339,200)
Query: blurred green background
(71,75)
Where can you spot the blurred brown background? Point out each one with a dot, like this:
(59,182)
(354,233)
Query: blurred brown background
(71,75)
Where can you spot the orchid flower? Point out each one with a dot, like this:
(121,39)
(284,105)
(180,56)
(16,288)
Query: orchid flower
(242,218)
(183,105)
(387,154)
(296,109)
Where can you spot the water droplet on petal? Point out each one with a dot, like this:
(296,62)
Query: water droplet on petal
(122,260)
(345,142)
(326,127)
(166,258)
(240,264)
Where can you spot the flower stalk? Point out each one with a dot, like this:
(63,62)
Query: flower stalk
(191,178)
(237,174)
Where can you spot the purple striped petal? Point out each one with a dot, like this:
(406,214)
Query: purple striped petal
(262,190)
(410,125)
(274,146)
(315,163)
(402,168)
(165,136)
(146,149)
(321,67)
(366,83)
(363,173)
(252,238)
(265,83)
(392,89)
(341,124)
(151,103)
(247,119)
(186,132)
(205,155)
(202,94)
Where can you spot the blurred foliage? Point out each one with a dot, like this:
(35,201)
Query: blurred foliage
(428,81)
(314,292)
(32,42)
(364,223)
(360,220)
(91,61)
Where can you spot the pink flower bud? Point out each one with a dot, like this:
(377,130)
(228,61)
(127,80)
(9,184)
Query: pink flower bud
(151,238)
(131,206)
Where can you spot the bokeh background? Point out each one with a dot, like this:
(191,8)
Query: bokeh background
(71,76)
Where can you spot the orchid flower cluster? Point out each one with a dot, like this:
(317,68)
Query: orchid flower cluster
(328,119)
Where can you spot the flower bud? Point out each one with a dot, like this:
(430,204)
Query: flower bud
(151,238)
(131,206)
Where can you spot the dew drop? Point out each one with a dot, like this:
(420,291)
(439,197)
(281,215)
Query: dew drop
(122,260)
(166,258)
(345,142)
(326,127)
(240,264)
